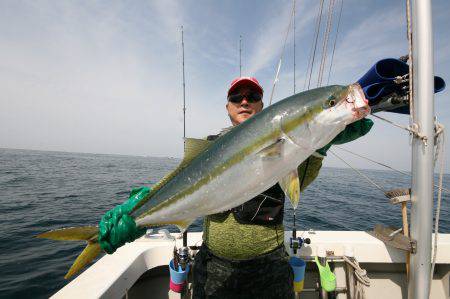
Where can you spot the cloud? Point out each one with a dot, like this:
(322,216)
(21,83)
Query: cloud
(81,78)
(381,34)
(271,34)
(85,81)
(169,15)
(106,77)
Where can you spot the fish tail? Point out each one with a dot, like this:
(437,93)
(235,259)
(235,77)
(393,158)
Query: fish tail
(83,233)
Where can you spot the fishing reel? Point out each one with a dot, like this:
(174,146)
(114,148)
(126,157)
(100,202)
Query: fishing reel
(183,257)
(297,242)
(179,271)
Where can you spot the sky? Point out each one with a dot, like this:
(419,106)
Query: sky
(106,76)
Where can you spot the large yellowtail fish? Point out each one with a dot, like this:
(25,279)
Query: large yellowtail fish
(247,160)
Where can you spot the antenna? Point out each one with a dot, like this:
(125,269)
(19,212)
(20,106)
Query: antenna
(240,55)
(184,89)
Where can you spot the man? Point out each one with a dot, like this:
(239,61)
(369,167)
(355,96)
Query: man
(243,255)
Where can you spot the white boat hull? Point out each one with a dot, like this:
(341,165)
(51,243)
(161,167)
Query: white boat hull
(139,269)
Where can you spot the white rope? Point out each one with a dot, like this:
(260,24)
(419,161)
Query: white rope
(368,159)
(410,58)
(359,172)
(309,62)
(281,55)
(362,280)
(439,129)
(313,53)
(381,164)
(439,152)
(275,82)
(325,43)
(335,40)
(413,129)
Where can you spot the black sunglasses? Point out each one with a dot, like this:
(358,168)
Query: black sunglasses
(251,97)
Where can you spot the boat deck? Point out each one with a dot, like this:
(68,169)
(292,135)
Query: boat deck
(139,269)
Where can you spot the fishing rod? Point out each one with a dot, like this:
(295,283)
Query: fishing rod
(184,89)
(293,34)
(184,113)
(240,55)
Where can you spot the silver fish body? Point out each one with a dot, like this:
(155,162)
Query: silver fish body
(239,165)
(254,155)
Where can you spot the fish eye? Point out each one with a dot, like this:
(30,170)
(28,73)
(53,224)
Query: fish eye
(331,103)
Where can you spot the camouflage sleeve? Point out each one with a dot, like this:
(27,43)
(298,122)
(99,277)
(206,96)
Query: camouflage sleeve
(308,171)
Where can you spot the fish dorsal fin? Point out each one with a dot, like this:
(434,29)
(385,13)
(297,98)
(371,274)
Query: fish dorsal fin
(291,187)
(193,147)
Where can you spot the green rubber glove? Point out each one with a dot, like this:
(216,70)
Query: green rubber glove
(117,227)
(351,132)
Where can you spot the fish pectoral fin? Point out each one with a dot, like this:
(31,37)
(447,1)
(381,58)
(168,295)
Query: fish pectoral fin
(291,187)
(273,150)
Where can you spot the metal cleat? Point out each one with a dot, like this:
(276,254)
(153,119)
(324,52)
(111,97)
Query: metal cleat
(390,236)
(162,234)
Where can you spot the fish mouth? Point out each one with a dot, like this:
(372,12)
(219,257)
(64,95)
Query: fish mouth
(356,99)
(359,113)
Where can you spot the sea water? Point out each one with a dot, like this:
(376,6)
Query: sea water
(40,191)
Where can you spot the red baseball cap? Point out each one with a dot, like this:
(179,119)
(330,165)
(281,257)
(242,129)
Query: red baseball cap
(245,81)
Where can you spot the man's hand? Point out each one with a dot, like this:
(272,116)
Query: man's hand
(352,132)
(117,227)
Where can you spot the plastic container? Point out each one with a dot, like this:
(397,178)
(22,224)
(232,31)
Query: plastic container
(177,277)
(177,288)
(298,266)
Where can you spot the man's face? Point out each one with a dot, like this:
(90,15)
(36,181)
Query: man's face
(244,109)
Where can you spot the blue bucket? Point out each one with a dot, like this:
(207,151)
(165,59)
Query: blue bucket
(178,276)
(298,266)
